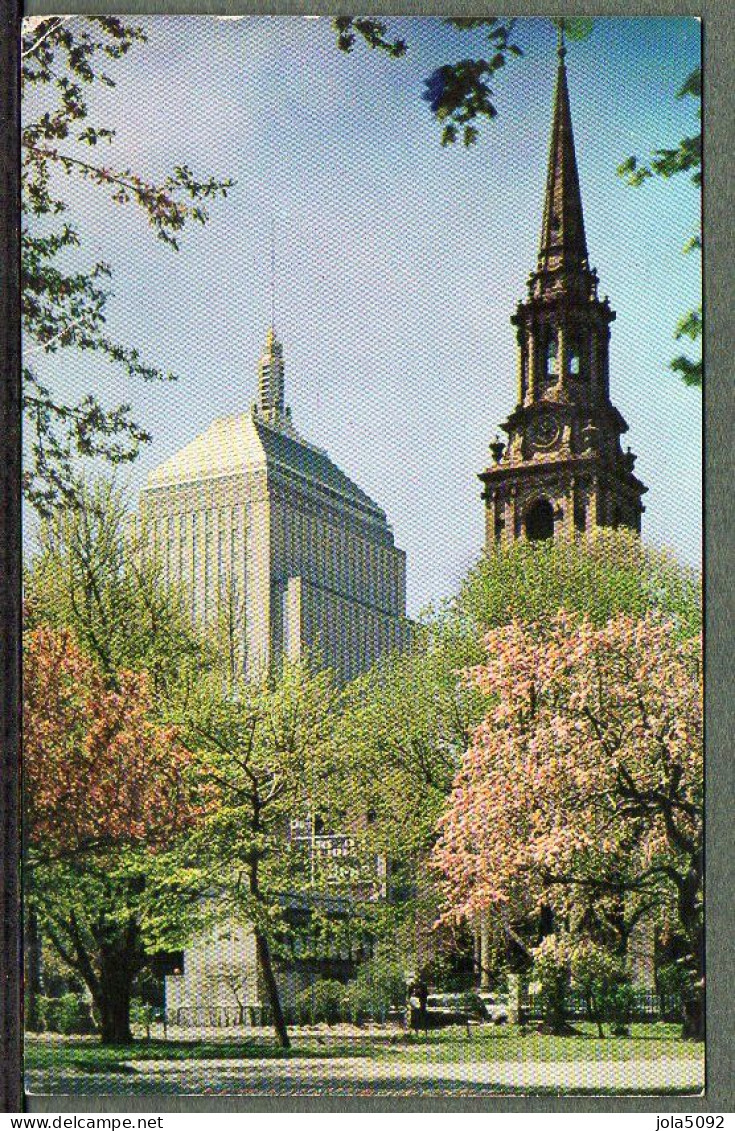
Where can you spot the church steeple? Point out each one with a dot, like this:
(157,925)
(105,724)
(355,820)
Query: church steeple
(562,469)
(563,247)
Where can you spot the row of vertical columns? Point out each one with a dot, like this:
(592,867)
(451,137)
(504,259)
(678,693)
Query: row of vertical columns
(521,370)
(532,366)
(561,357)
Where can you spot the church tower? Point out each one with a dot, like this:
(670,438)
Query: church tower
(562,469)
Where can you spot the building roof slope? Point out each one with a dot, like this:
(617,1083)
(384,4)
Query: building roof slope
(239,444)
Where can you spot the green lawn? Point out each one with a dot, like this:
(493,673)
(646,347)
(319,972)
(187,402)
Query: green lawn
(486,1043)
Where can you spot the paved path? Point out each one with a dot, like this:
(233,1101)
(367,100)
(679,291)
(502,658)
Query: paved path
(362,1076)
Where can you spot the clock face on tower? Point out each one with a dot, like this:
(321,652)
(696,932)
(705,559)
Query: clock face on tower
(545,432)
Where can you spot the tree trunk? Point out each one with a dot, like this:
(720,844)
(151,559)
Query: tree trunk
(113,1001)
(691,919)
(115,1021)
(264,958)
(693,1027)
(694,1005)
(120,960)
(271,988)
(596,1017)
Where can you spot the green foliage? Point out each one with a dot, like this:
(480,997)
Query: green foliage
(459,93)
(685,158)
(674,980)
(143,1014)
(380,985)
(325,1001)
(265,758)
(552,968)
(372,31)
(101,902)
(602,978)
(575,29)
(69,1014)
(610,573)
(96,574)
(691,372)
(148,988)
(448,970)
(405,725)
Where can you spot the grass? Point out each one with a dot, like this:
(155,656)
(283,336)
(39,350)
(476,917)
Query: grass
(378,1062)
(486,1043)
(506,1043)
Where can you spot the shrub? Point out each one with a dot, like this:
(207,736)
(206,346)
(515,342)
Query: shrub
(618,1007)
(604,981)
(325,1000)
(673,982)
(144,1014)
(551,965)
(69,1014)
(380,986)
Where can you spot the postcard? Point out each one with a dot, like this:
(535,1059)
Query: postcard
(362,616)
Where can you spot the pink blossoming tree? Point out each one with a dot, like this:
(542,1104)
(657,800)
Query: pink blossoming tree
(581,789)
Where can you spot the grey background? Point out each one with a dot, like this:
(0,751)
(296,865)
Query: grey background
(719,417)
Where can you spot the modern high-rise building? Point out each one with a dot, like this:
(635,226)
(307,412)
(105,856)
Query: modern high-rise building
(274,544)
(264,530)
(562,469)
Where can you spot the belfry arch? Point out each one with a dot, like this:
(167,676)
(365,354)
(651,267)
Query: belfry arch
(539,521)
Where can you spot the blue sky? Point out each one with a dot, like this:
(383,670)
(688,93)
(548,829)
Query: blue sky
(399,263)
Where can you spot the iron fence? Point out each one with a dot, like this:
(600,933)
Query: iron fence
(645,1005)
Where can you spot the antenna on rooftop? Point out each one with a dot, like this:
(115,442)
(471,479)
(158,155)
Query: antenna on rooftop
(273,272)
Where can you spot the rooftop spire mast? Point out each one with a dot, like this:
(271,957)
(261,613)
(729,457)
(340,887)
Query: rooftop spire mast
(273,272)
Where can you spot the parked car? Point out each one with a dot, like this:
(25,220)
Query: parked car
(495,1006)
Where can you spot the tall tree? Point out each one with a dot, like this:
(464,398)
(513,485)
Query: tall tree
(265,753)
(107,790)
(64,307)
(96,584)
(97,574)
(582,786)
(405,725)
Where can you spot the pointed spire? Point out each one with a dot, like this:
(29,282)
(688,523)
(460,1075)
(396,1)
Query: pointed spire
(563,243)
